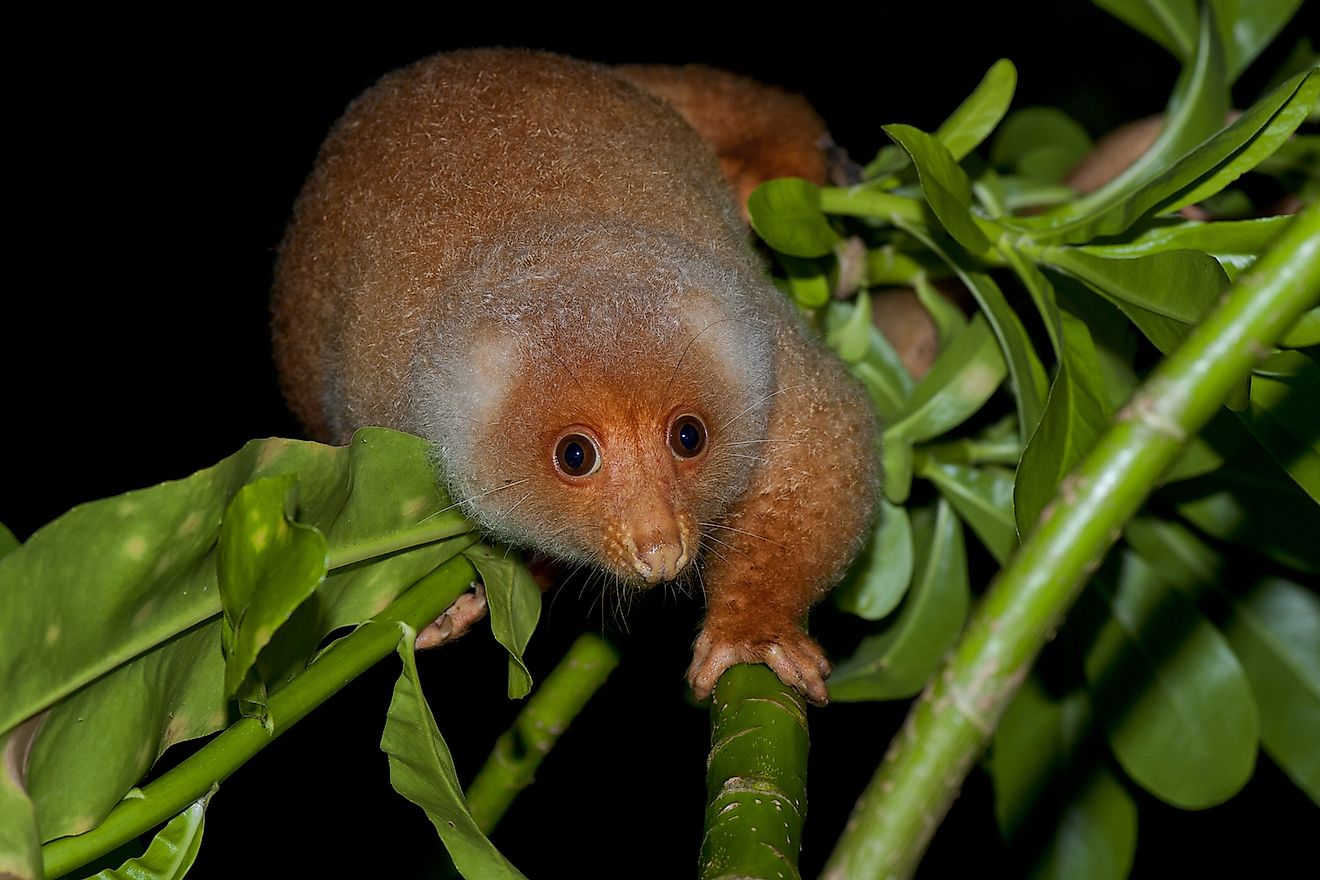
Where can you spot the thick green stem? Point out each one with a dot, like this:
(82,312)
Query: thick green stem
(756,778)
(951,723)
(859,201)
(341,663)
(519,751)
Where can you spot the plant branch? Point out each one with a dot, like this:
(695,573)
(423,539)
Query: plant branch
(519,751)
(756,777)
(949,726)
(343,661)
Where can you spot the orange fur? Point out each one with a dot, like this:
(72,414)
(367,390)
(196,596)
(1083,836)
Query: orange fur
(500,248)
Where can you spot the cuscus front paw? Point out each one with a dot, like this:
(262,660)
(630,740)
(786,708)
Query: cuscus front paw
(458,618)
(792,654)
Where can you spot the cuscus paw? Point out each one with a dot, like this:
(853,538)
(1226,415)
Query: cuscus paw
(793,655)
(458,618)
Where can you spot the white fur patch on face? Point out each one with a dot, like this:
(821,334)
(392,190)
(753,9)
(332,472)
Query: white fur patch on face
(493,363)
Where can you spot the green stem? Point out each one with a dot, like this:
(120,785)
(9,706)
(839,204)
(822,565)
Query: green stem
(341,663)
(951,723)
(860,201)
(519,751)
(756,777)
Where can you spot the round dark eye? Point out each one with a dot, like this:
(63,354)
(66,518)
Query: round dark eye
(687,436)
(576,455)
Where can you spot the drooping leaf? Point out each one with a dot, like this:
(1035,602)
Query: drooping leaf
(959,383)
(945,184)
(268,564)
(515,606)
(1176,704)
(978,115)
(1075,415)
(786,213)
(1039,143)
(1275,632)
(1284,415)
(172,851)
(983,498)
(879,578)
(897,662)
(1027,376)
(422,770)
(1056,801)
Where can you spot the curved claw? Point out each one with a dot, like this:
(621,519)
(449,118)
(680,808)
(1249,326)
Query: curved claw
(794,656)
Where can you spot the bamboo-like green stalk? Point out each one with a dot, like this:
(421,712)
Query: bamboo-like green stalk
(756,778)
(949,726)
(341,663)
(519,751)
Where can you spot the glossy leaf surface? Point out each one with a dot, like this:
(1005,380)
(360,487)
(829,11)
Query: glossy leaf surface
(983,498)
(172,851)
(786,213)
(959,383)
(879,578)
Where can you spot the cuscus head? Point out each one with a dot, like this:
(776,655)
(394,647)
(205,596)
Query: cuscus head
(603,410)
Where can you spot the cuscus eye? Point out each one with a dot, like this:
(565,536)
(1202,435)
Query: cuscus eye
(576,455)
(687,436)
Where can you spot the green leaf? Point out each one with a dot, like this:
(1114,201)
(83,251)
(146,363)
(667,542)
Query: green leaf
(422,770)
(977,116)
(881,370)
(1182,284)
(7,541)
(879,578)
(1254,507)
(897,662)
(983,498)
(515,606)
(1284,415)
(848,328)
(945,184)
(1275,632)
(154,614)
(897,460)
(959,383)
(1039,143)
(1304,332)
(1176,703)
(807,282)
(1075,415)
(1234,243)
(1055,794)
(20,847)
(949,319)
(1171,23)
(786,213)
(172,851)
(267,565)
(1027,376)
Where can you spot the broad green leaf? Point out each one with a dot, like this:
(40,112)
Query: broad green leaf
(268,564)
(515,606)
(1304,332)
(1182,284)
(808,284)
(880,577)
(1027,376)
(1012,194)
(1234,243)
(897,460)
(1176,703)
(422,770)
(1254,508)
(897,662)
(7,541)
(977,116)
(1041,291)
(124,591)
(848,328)
(949,319)
(959,383)
(945,184)
(786,213)
(888,265)
(882,372)
(1196,110)
(1055,796)
(20,846)
(1171,23)
(172,851)
(1039,143)
(983,498)
(1275,632)
(1176,555)
(1075,415)
(1284,415)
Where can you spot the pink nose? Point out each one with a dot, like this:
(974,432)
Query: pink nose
(660,562)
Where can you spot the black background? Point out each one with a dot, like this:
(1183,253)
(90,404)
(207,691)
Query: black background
(153,165)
